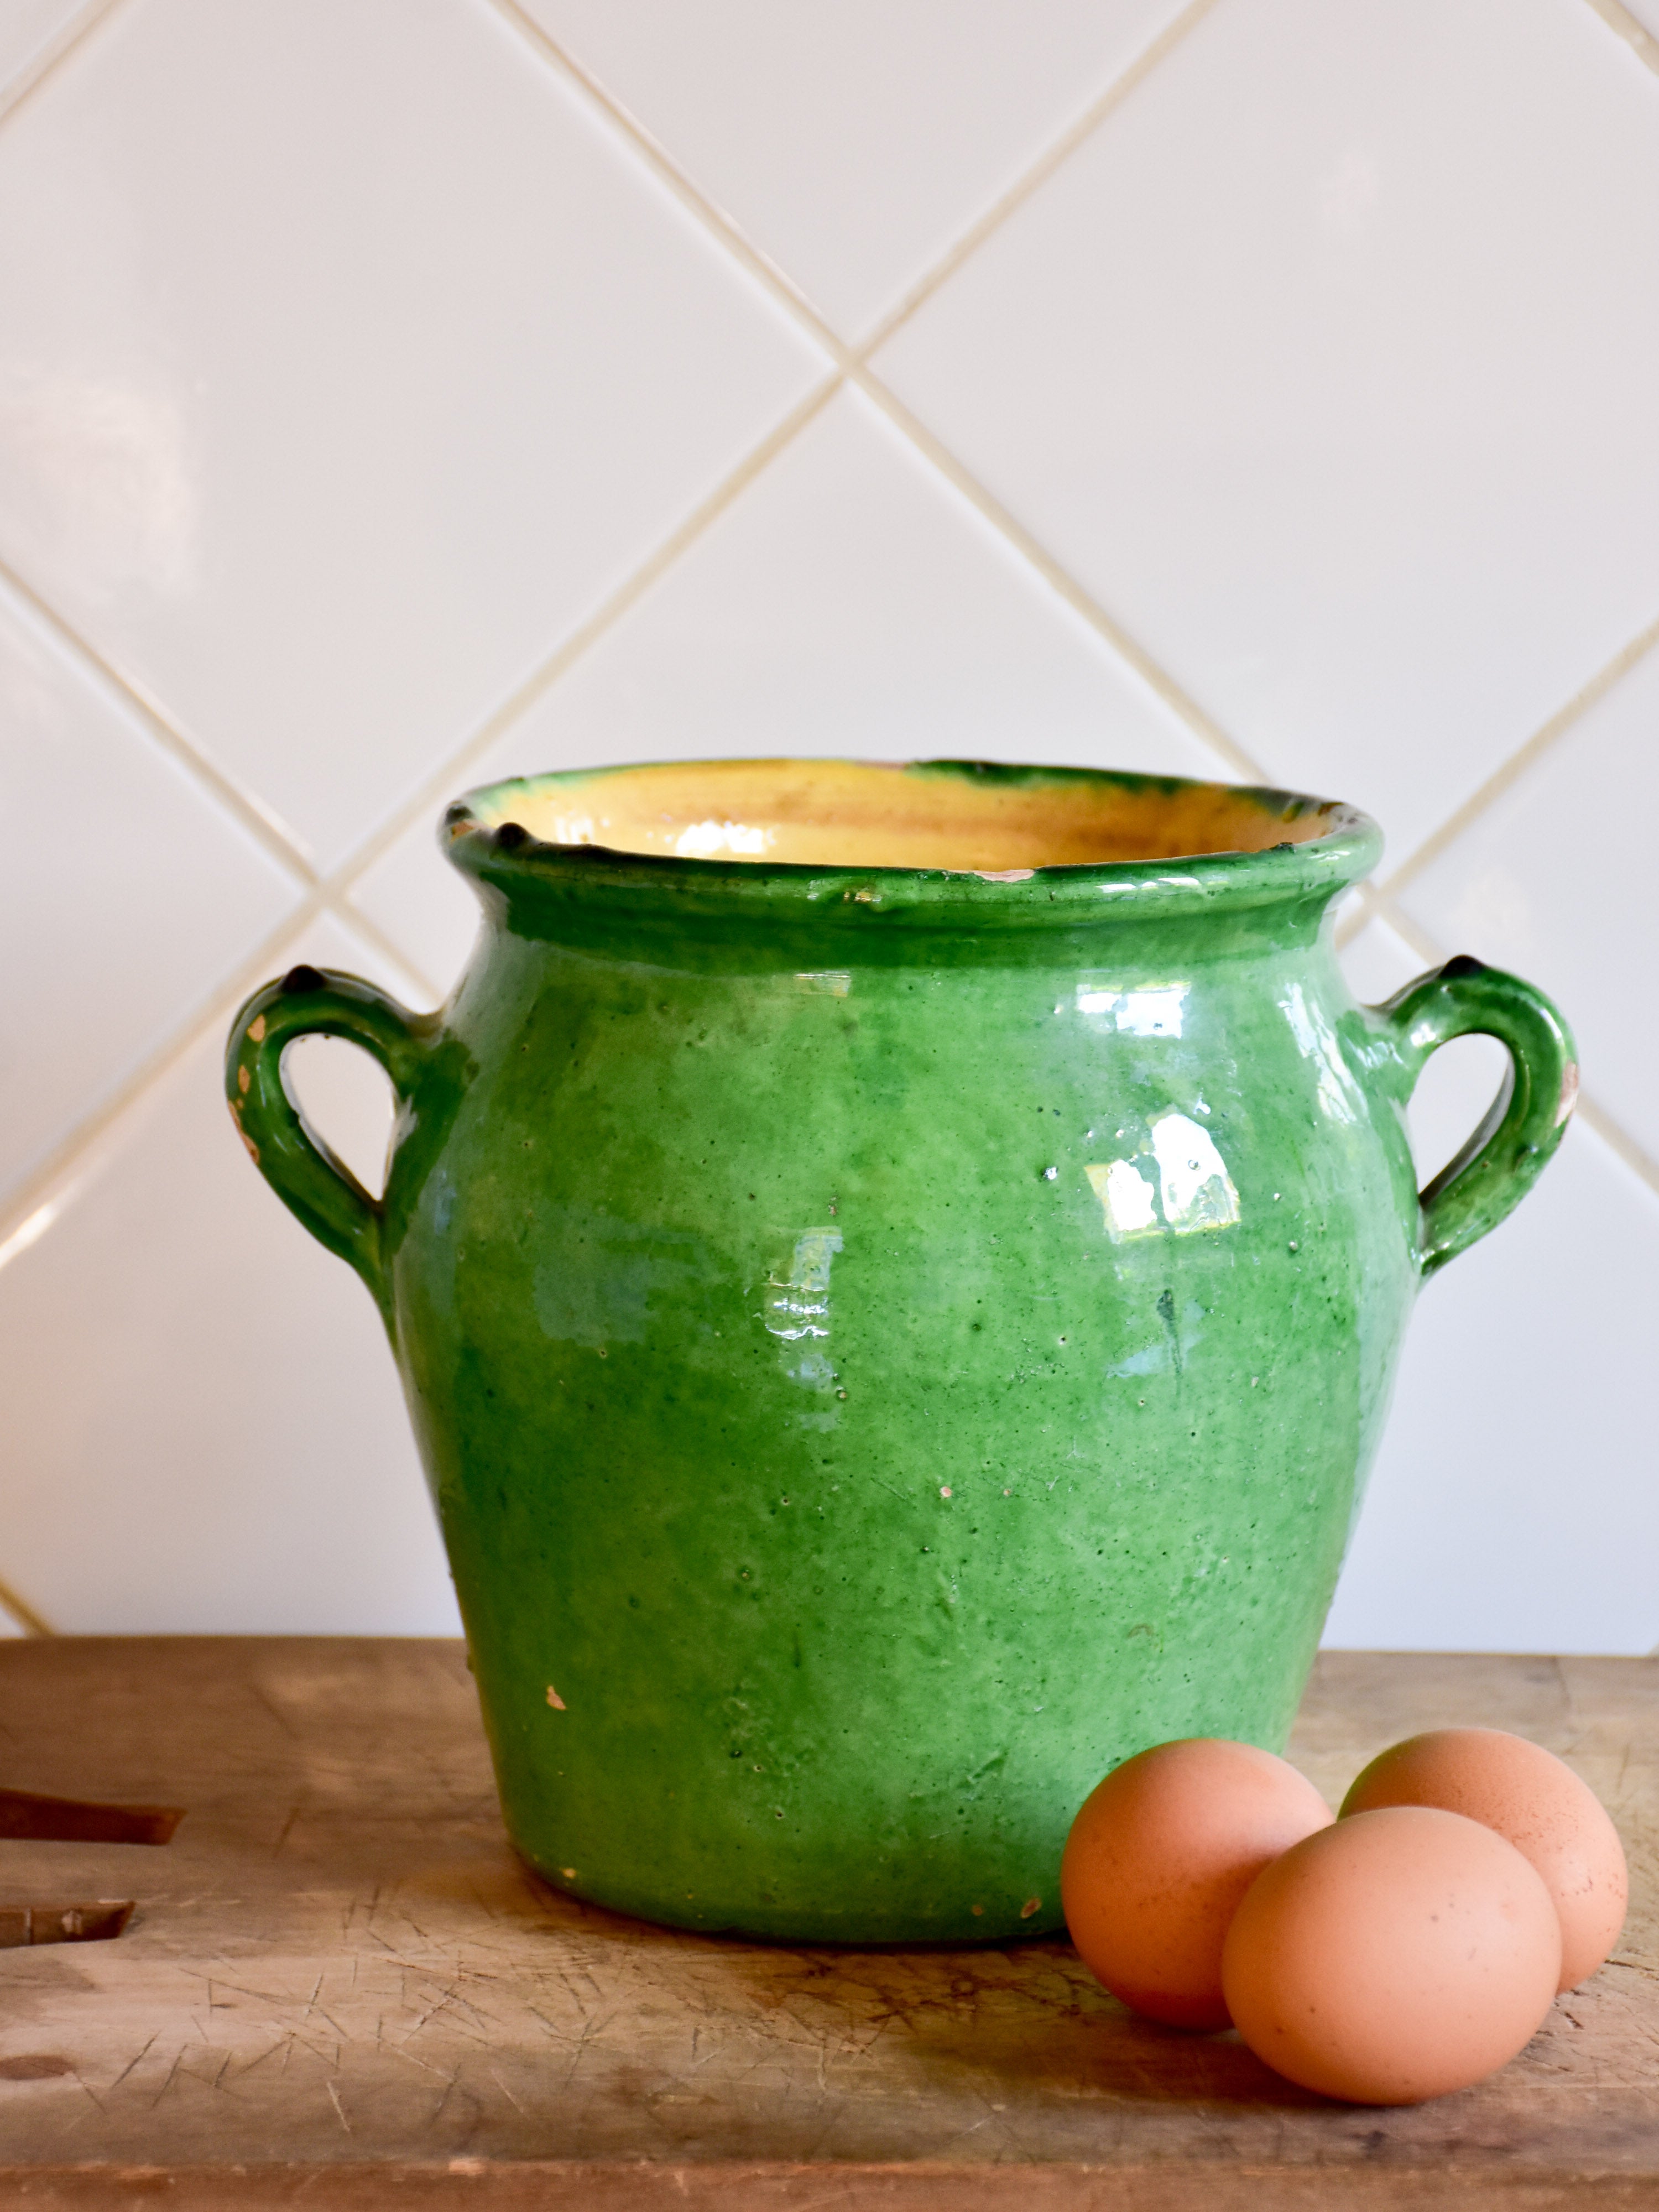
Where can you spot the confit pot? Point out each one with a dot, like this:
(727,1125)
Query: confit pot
(897,1275)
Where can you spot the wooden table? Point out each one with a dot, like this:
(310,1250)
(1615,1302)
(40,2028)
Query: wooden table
(339,1988)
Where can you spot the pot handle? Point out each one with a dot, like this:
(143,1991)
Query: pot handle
(311,1182)
(1515,1143)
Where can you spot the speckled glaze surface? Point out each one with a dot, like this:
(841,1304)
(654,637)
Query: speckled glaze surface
(889,1343)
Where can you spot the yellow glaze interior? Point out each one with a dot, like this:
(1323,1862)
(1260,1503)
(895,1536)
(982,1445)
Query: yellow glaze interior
(848,814)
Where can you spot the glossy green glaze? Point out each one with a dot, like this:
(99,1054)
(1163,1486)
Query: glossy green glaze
(888,1344)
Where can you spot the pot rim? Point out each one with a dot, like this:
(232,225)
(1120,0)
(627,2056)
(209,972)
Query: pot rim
(480,836)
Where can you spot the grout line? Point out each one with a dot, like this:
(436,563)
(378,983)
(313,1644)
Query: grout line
(1416,937)
(34,1226)
(22,1612)
(441,784)
(1060,580)
(47,1193)
(41,63)
(331,894)
(257,820)
(852,359)
(1038,175)
(327,896)
(1640,1162)
(668,172)
(38,1190)
(1623,25)
(364,926)
(44,1188)
(1362,911)
(250,815)
(1588,1110)
(1524,758)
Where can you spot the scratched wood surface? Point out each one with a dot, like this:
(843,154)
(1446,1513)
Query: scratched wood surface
(338,1986)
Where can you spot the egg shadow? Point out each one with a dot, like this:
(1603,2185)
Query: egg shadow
(1105,2051)
(1030,2017)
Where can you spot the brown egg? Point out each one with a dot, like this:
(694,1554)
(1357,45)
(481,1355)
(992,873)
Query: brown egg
(1395,1956)
(1159,1858)
(1552,1818)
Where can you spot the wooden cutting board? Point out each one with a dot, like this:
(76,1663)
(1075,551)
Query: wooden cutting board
(337,1987)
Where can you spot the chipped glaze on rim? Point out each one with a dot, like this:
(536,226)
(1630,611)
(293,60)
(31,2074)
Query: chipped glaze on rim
(482,836)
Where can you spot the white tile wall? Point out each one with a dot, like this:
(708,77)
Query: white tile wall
(205,1431)
(852,599)
(1338,393)
(352,362)
(853,144)
(394,392)
(134,915)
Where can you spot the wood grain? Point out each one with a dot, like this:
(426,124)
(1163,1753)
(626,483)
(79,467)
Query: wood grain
(338,1986)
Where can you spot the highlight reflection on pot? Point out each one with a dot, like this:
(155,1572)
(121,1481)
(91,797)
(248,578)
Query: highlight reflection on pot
(1152,1011)
(1188,1187)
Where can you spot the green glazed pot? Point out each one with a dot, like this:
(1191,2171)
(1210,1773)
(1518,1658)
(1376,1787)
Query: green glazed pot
(898,1276)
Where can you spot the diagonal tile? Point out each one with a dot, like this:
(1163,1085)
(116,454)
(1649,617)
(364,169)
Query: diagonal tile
(1556,879)
(1512,1506)
(205,1429)
(126,899)
(853,145)
(850,602)
(347,362)
(1338,395)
